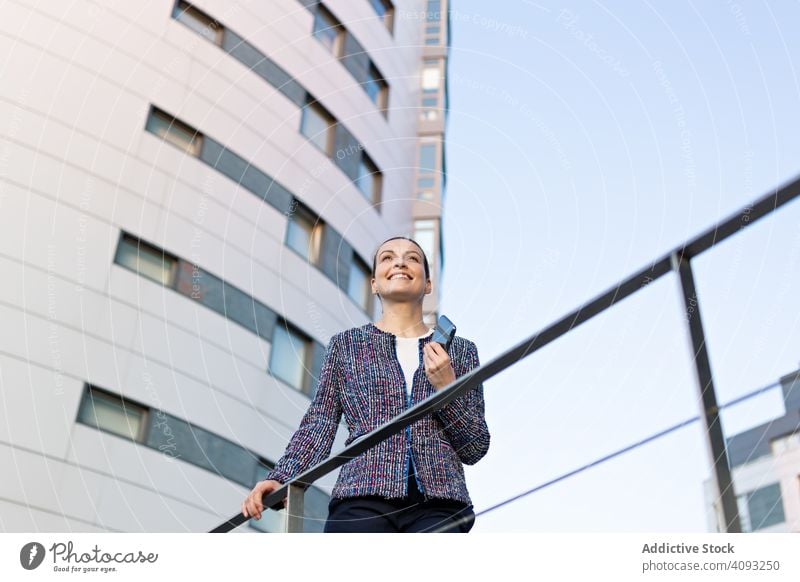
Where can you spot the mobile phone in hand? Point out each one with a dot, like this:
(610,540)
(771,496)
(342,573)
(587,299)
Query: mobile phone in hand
(444,332)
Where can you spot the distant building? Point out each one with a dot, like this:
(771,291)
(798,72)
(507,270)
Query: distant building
(190,197)
(765,464)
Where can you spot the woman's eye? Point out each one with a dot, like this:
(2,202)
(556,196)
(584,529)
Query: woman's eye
(415,258)
(386,257)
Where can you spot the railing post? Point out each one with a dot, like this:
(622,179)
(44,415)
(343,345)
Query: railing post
(715,439)
(294,509)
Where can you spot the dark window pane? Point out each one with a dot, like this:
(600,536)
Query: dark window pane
(317,126)
(369,179)
(765,507)
(304,235)
(289,356)
(385,11)
(240,307)
(146,260)
(198,21)
(427,158)
(359,284)
(228,459)
(328,30)
(262,467)
(105,411)
(173,131)
(379,7)
(376,87)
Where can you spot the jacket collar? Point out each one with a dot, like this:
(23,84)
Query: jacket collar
(372,329)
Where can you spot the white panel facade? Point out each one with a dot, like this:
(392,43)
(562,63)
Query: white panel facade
(78,168)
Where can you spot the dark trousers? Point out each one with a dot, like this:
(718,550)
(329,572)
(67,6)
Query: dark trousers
(374,514)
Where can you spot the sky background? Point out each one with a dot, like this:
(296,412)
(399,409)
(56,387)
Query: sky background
(586,139)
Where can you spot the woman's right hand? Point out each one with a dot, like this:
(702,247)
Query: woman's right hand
(252,506)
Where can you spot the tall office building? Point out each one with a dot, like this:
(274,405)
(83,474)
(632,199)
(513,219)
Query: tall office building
(190,196)
(430,168)
(765,470)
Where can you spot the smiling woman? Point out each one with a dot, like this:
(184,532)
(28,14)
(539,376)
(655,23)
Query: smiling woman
(414,480)
(401,279)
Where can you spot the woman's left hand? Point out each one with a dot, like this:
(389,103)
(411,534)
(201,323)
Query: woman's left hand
(437,365)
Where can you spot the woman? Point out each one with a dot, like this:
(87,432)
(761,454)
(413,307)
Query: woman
(414,480)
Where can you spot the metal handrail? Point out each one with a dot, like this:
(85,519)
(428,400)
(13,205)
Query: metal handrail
(667,263)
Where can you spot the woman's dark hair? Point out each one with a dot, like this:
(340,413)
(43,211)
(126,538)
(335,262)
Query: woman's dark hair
(424,258)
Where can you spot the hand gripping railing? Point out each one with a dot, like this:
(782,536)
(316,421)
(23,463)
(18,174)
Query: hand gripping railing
(678,261)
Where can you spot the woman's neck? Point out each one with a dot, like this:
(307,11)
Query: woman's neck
(403,321)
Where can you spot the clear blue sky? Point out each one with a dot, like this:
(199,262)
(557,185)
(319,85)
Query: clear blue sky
(586,139)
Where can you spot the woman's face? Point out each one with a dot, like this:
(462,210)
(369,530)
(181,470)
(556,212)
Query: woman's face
(400,272)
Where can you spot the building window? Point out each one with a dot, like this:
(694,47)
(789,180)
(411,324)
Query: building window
(369,179)
(427,158)
(765,507)
(289,357)
(262,467)
(328,30)
(431,76)
(434,10)
(425,235)
(198,21)
(317,125)
(428,164)
(113,414)
(430,108)
(304,234)
(785,444)
(376,88)
(385,11)
(146,260)
(173,131)
(358,287)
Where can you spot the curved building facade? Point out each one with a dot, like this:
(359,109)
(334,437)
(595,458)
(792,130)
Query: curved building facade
(190,196)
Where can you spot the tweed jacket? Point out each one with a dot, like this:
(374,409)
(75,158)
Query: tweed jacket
(362,380)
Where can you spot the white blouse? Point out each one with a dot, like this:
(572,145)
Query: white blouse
(408,355)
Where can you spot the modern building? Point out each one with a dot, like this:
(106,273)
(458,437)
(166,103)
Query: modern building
(431,176)
(190,196)
(765,470)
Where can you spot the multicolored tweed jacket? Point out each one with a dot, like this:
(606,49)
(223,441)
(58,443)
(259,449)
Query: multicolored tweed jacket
(361,378)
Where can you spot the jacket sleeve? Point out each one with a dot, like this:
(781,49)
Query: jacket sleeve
(312,442)
(464,418)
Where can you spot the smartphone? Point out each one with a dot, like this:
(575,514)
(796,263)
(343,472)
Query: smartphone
(444,332)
